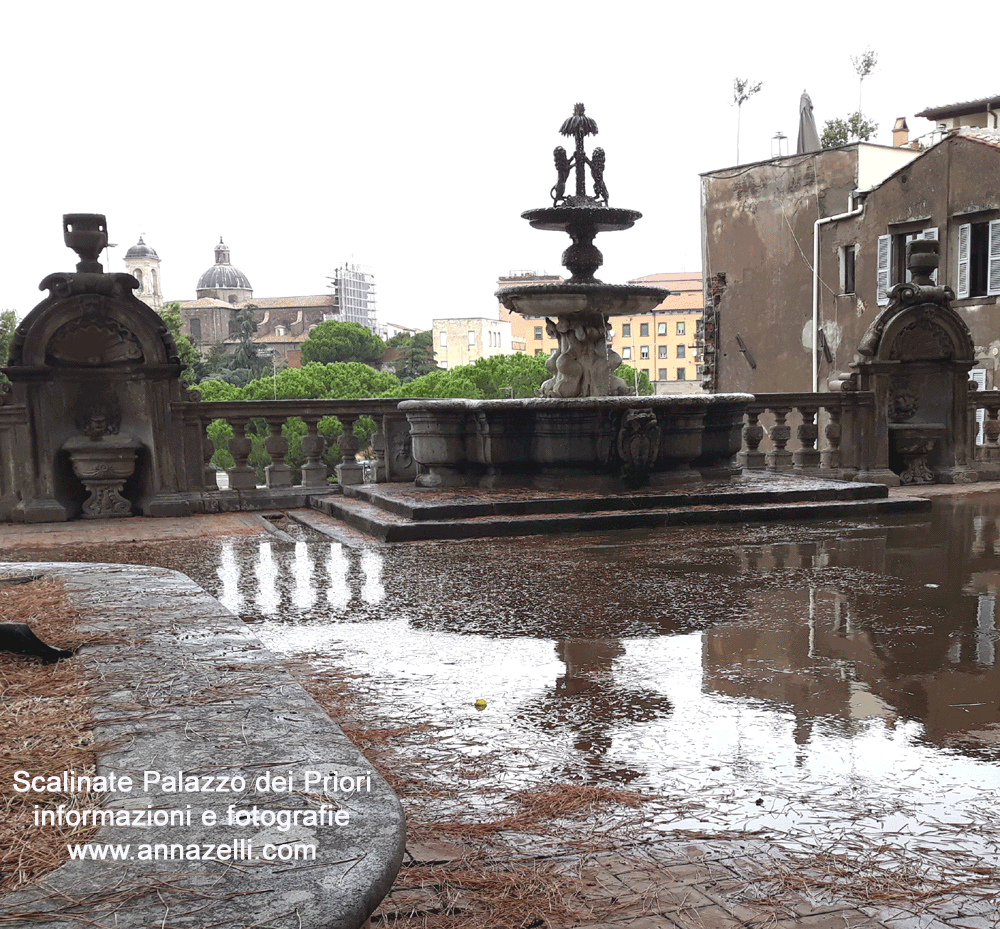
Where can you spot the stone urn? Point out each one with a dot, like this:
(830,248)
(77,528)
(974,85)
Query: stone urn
(103,464)
(916,444)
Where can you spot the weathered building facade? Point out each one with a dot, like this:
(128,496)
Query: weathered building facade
(760,226)
(949,194)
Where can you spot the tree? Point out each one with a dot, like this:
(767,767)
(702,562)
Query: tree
(743,90)
(8,323)
(635,379)
(186,350)
(856,128)
(331,341)
(416,354)
(864,64)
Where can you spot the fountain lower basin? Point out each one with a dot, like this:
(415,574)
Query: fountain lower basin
(581,441)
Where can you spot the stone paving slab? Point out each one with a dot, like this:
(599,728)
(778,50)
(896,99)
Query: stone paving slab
(184,686)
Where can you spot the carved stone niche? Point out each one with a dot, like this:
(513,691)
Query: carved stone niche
(915,358)
(94,373)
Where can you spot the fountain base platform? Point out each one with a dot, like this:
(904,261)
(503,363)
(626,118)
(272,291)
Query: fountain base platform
(406,513)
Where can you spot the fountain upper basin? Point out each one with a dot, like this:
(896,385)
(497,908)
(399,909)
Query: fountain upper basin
(540,300)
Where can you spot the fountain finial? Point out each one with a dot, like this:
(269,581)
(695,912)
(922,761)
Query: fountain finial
(579,126)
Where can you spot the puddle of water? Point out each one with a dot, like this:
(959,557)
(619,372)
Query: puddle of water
(825,681)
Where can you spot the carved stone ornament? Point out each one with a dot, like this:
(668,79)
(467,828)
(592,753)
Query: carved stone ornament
(922,340)
(638,444)
(903,404)
(91,340)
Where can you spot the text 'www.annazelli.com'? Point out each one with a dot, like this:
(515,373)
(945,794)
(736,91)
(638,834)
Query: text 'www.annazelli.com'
(238,850)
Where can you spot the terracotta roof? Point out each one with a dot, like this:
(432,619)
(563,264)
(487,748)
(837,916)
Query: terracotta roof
(686,290)
(269,303)
(961,109)
(200,303)
(986,136)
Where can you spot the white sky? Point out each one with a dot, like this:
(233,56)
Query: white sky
(410,136)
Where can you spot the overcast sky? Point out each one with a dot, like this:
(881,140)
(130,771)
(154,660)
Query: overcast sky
(411,136)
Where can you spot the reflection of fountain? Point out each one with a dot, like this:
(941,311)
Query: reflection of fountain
(589,705)
(582,423)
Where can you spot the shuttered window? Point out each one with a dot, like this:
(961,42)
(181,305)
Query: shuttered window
(964,257)
(994,261)
(883,268)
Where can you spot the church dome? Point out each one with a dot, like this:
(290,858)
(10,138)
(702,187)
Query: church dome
(222,275)
(141,250)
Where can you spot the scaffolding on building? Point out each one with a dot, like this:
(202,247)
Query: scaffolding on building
(354,287)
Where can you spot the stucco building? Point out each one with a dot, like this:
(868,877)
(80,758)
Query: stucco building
(464,340)
(761,224)
(800,253)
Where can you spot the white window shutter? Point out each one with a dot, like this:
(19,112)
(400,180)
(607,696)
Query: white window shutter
(883,265)
(979,376)
(993,287)
(964,243)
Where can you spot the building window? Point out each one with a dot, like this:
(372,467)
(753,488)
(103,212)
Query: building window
(472,338)
(643,330)
(643,351)
(661,375)
(626,330)
(661,328)
(681,352)
(279,330)
(138,276)
(890,266)
(847,269)
(152,280)
(538,333)
(681,327)
(979,259)
(662,351)
(682,374)
(626,353)
(444,338)
(539,351)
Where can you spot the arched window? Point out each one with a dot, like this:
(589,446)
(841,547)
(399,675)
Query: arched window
(152,279)
(232,299)
(138,276)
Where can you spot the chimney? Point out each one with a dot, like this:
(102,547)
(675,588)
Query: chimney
(900,133)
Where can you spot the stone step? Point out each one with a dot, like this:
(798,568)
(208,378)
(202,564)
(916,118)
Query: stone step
(435,505)
(392,527)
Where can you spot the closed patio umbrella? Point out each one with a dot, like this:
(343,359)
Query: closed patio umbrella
(808,136)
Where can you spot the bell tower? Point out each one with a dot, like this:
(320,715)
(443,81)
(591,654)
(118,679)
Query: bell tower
(143,264)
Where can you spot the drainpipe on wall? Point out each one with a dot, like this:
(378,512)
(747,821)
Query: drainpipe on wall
(815,326)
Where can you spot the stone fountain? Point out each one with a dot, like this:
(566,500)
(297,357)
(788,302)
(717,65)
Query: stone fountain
(583,426)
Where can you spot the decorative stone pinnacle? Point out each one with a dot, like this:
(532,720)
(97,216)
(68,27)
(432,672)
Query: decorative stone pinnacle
(579,126)
(87,235)
(922,260)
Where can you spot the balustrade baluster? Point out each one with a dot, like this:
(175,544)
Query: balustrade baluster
(208,472)
(241,475)
(278,473)
(806,457)
(349,471)
(779,458)
(830,456)
(751,457)
(314,470)
(991,434)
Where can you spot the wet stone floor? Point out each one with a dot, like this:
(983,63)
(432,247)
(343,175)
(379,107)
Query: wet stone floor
(832,688)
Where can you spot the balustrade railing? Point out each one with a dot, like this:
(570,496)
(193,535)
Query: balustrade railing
(984,412)
(390,442)
(771,421)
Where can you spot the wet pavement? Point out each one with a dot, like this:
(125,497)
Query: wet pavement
(828,688)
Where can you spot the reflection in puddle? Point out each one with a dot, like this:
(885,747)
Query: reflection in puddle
(818,681)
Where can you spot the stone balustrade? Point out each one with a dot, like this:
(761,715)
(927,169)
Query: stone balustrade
(391,443)
(815,420)
(985,428)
